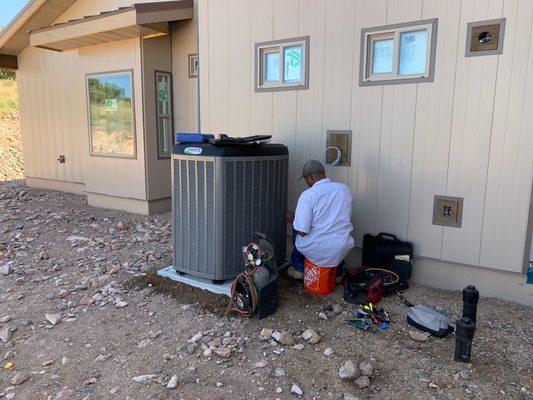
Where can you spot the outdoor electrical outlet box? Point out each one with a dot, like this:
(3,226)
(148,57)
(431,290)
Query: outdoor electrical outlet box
(485,37)
(448,211)
(343,141)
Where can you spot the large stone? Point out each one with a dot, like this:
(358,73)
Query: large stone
(144,378)
(5,269)
(54,319)
(6,334)
(350,396)
(363,381)
(418,336)
(296,389)
(286,338)
(19,378)
(223,352)
(348,371)
(329,351)
(311,336)
(173,382)
(366,368)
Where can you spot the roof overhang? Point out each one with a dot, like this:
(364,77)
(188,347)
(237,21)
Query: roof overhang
(15,37)
(140,20)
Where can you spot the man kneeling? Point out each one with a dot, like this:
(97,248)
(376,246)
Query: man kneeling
(321,225)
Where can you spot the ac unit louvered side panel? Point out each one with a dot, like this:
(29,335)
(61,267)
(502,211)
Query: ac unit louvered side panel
(194,216)
(255,199)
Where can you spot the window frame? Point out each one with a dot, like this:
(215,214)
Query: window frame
(263,48)
(133,116)
(371,35)
(168,116)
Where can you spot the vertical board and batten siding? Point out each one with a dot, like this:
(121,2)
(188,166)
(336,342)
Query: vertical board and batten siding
(184,42)
(156,56)
(50,121)
(114,176)
(466,134)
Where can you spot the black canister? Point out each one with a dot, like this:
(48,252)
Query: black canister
(464,333)
(470,299)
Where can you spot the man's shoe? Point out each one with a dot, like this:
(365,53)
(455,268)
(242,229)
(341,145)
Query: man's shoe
(295,274)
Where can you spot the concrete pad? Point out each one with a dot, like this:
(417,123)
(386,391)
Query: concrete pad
(201,283)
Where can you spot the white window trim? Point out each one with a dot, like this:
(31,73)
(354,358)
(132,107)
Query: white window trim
(261,49)
(369,35)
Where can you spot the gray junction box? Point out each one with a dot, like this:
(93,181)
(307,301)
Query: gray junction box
(220,196)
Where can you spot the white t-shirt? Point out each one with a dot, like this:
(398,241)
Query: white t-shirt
(323,212)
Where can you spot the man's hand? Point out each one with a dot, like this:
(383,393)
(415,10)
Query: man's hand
(290,217)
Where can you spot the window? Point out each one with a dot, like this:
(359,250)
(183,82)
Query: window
(403,53)
(164,113)
(282,65)
(110,107)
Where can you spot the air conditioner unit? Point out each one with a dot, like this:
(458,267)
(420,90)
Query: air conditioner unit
(220,196)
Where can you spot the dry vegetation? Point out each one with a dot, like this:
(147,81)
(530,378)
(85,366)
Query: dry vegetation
(11,165)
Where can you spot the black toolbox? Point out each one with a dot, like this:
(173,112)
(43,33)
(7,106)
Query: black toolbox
(385,250)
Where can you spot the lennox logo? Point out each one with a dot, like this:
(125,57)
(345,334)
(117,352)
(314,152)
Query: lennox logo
(193,150)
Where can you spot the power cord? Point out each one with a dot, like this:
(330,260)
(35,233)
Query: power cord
(324,156)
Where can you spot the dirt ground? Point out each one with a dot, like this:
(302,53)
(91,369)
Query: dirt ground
(95,269)
(10,146)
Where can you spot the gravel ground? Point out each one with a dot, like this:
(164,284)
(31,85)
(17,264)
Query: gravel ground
(91,273)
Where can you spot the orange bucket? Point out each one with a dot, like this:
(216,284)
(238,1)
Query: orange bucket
(319,280)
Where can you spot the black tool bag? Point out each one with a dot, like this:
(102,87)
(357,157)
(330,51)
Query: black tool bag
(386,251)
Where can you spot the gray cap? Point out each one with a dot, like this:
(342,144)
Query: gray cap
(312,167)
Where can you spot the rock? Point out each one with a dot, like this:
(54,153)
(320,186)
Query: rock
(365,368)
(121,304)
(19,378)
(279,390)
(144,343)
(276,335)
(314,339)
(196,338)
(322,315)
(286,338)
(350,396)
(6,334)
(265,333)
(222,352)
(298,346)
(5,269)
(348,371)
(173,382)
(154,334)
(47,363)
(309,334)
(54,319)
(418,336)
(296,389)
(219,384)
(337,308)
(144,378)
(261,364)
(363,381)
(464,374)
(329,351)
(5,319)
(279,372)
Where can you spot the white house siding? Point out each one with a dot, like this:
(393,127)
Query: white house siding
(469,133)
(51,122)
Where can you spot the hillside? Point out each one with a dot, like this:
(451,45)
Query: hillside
(11,164)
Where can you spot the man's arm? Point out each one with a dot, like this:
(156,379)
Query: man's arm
(304,215)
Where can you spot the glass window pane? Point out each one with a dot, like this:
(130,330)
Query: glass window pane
(413,49)
(382,55)
(292,68)
(271,67)
(165,135)
(110,114)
